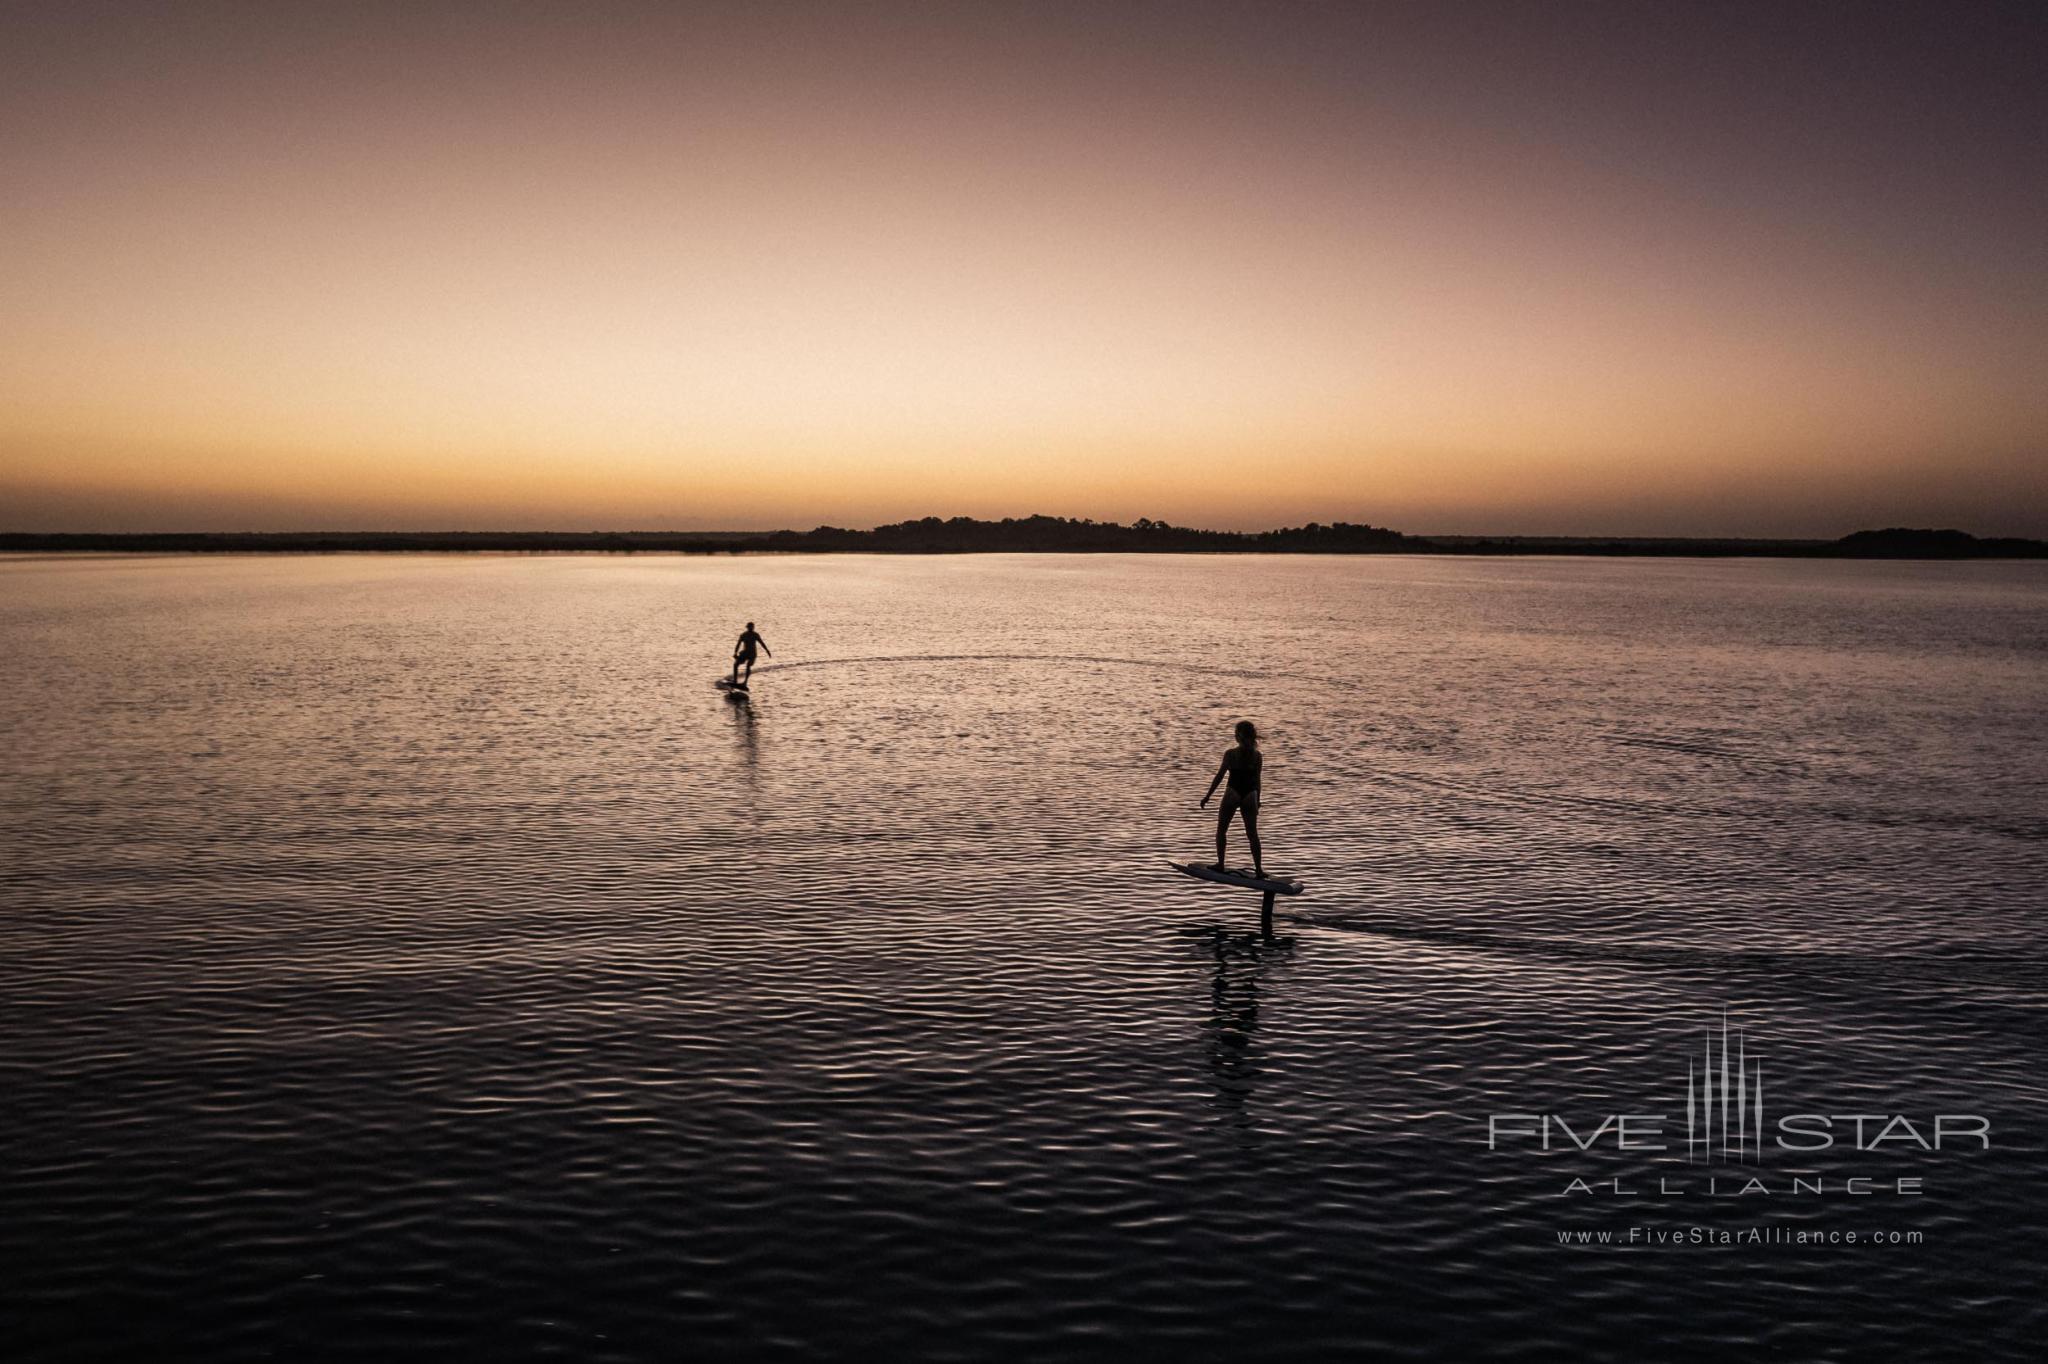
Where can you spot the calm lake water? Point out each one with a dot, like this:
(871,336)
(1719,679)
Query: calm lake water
(417,957)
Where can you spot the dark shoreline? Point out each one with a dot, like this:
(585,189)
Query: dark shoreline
(1030,535)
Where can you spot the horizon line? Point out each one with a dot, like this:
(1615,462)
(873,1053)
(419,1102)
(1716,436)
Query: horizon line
(1040,531)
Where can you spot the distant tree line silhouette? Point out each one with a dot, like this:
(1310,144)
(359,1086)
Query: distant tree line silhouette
(1029,535)
(1897,542)
(1058,534)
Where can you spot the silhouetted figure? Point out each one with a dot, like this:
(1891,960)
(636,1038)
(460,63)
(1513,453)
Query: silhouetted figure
(1241,765)
(743,653)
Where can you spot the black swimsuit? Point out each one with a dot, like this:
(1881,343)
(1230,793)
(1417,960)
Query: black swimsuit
(1244,774)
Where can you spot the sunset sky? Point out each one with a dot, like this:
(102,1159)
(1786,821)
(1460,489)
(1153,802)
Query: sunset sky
(1457,267)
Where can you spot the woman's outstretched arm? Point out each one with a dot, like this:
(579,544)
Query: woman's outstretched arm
(1216,780)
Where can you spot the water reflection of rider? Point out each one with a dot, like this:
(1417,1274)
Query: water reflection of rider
(750,744)
(1230,1030)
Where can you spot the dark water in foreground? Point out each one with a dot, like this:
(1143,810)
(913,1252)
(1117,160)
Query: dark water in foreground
(415,957)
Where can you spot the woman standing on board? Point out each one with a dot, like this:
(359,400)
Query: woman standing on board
(1241,765)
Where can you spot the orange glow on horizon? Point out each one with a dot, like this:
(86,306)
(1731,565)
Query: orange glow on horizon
(713,276)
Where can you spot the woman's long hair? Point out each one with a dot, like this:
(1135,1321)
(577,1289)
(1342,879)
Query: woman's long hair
(1247,733)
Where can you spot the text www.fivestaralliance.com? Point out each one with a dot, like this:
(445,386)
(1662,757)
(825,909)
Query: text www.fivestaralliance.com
(1651,1238)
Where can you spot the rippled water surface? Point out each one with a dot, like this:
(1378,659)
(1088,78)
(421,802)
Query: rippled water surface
(417,957)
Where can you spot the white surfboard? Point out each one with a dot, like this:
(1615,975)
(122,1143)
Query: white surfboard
(1201,871)
(727,684)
